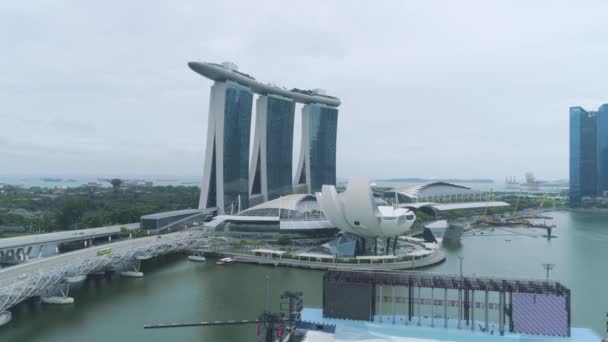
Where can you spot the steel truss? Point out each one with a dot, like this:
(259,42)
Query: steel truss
(32,279)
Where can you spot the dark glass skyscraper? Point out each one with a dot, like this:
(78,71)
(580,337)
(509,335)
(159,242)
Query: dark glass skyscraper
(232,180)
(226,177)
(271,173)
(317,165)
(588,153)
(601,148)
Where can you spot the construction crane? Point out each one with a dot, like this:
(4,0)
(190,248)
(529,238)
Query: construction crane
(537,210)
(515,206)
(483,218)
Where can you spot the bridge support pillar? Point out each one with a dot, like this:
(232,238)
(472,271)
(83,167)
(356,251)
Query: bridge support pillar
(135,273)
(63,299)
(40,249)
(5,317)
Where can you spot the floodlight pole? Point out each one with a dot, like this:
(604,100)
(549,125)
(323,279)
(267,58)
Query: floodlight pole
(548,267)
(460,304)
(267,299)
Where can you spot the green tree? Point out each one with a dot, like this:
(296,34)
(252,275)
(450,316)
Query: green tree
(283,240)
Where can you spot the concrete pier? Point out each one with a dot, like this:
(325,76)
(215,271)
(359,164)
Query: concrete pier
(436,257)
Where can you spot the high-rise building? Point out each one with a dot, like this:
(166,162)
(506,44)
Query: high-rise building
(601,148)
(317,163)
(271,159)
(226,171)
(231,179)
(588,153)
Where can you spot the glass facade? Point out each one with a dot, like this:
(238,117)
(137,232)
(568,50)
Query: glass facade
(323,127)
(279,144)
(584,146)
(237,126)
(211,198)
(601,120)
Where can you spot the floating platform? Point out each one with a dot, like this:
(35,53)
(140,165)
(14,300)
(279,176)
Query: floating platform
(383,329)
(75,279)
(196,258)
(5,317)
(132,274)
(57,300)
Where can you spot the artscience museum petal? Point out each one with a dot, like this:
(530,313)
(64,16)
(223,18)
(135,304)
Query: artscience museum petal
(355,211)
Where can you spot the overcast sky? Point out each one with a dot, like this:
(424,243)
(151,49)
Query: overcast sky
(428,88)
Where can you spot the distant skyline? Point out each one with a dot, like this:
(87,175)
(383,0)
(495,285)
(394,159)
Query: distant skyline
(468,89)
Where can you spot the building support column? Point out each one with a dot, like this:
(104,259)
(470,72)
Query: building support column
(410,303)
(501,313)
(445,307)
(486,311)
(395,246)
(381,300)
(459,305)
(473,310)
(419,312)
(393,296)
(432,307)
(467,306)
(511,327)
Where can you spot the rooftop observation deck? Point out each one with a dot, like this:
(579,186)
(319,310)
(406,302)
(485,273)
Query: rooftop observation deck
(218,72)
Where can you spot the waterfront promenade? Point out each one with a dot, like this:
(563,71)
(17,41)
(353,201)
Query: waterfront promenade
(438,256)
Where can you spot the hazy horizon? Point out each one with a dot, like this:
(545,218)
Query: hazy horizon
(429,89)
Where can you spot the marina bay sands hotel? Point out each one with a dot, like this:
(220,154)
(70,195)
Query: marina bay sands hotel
(231,179)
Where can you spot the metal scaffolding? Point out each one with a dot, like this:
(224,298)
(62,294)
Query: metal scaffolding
(466,287)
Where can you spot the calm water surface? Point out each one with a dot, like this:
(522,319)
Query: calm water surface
(175,290)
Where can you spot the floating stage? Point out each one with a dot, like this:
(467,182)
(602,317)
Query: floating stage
(382,329)
(424,306)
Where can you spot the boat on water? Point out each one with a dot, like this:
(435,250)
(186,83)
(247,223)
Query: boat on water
(442,232)
(196,258)
(225,261)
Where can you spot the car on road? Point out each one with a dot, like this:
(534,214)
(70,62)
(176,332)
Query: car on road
(104,251)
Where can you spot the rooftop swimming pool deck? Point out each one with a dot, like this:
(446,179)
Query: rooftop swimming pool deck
(383,329)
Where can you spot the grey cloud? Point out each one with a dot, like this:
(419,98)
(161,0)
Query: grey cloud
(428,88)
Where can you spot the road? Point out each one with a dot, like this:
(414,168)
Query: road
(33,278)
(64,236)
